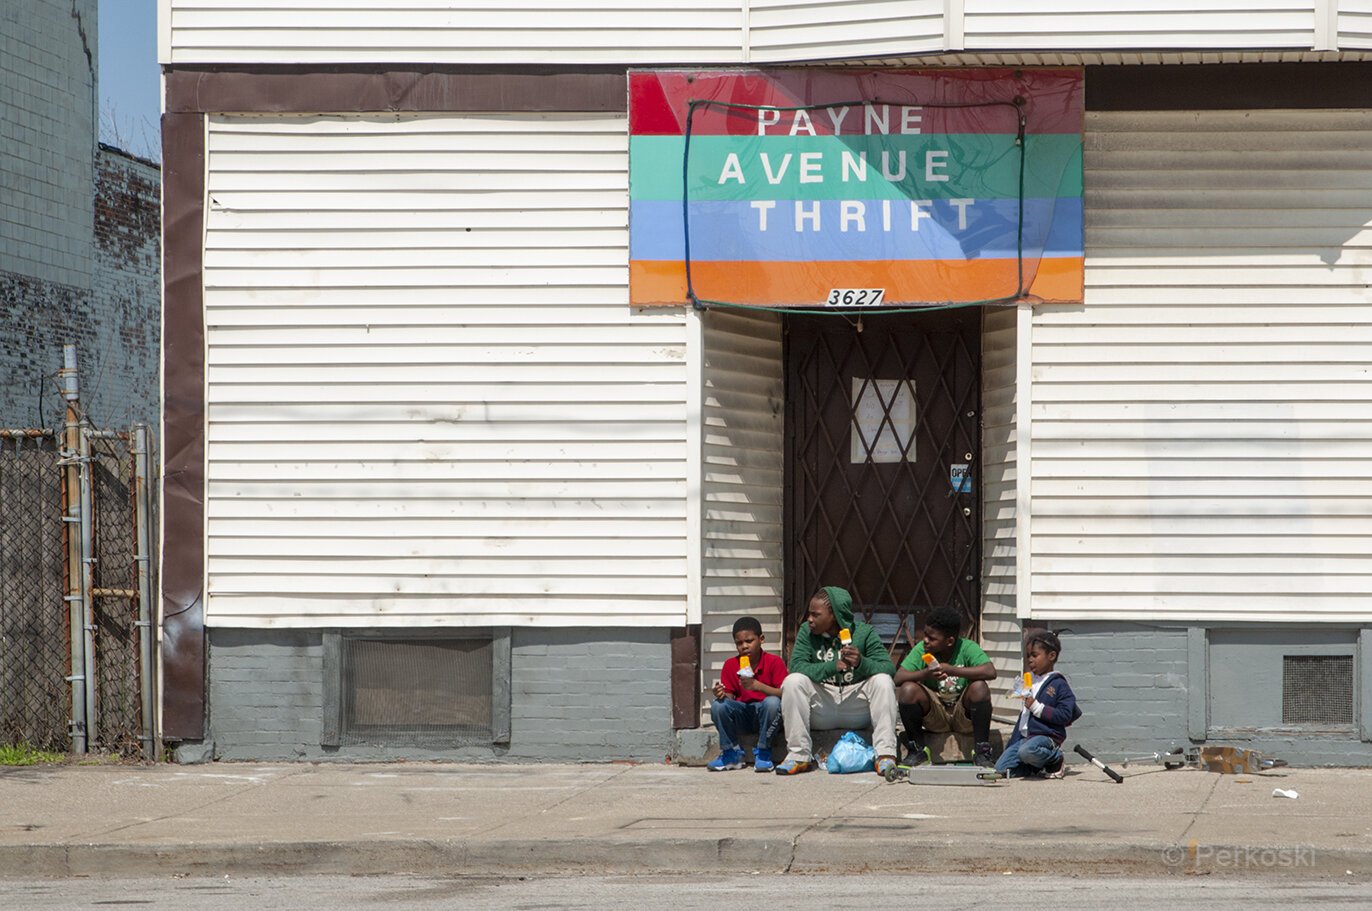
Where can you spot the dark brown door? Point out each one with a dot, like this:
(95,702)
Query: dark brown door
(883,434)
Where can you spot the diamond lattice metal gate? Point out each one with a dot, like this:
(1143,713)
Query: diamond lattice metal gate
(882,424)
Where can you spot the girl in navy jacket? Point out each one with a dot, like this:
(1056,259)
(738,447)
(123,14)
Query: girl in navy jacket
(1035,748)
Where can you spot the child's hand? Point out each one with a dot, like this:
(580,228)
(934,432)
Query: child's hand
(747,683)
(1028,702)
(720,691)
(849,658)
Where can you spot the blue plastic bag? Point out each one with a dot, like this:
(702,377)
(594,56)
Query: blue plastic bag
(850,754)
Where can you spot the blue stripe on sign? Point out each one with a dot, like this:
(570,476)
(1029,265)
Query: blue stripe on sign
(867,230)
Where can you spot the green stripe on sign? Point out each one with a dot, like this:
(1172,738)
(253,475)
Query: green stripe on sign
(832,167)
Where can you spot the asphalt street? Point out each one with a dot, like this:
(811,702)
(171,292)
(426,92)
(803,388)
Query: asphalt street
(705,893)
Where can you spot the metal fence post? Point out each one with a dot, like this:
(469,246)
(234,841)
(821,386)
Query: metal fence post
(71,518)
(87,525)
(147,658)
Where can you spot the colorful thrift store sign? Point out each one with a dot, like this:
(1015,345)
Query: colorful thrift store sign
(813,188)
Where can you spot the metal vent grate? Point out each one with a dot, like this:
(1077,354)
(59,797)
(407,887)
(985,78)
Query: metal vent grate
(416,691)
(1317,689)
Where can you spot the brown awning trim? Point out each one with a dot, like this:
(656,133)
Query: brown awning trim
(1229,86)
(183,427)
(305,90)
(685,645)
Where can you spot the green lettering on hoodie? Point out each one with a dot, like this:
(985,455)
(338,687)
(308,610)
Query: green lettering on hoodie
(816,656)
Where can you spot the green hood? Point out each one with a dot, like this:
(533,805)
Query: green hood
(842,604)
(815,655)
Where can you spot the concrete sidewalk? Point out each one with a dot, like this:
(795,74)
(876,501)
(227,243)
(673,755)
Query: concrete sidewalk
(241,818)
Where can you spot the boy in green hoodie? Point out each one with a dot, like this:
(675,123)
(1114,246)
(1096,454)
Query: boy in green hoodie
(836,684)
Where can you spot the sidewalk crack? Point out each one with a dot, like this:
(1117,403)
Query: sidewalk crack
(795,839)
(1195,817)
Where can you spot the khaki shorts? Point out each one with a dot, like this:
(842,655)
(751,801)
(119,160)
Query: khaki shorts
(942,717)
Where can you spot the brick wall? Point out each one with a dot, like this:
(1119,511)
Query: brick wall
(267,692)
(1131,683)
(47,139)
(585,695)
(124,317)
(1137,687)
(79,230)
(576,695)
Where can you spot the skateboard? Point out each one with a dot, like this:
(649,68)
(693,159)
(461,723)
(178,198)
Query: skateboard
(953,774)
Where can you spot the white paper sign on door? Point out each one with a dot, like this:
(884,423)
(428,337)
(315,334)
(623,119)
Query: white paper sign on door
(883,421)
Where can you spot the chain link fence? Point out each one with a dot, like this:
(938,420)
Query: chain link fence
(115,599)
(35,583)
(35,642)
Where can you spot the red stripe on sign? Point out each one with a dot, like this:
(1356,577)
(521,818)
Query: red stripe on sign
(650,114)
(901,101)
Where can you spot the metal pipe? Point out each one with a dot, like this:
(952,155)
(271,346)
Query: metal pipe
(142,463)
(88,579)
(71,498)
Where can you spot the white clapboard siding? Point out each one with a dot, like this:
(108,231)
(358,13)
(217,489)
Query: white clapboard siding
(1355,24)
(781,30)
(427,400)
(1085,24)
(1173,57)
(721,32)
(1201,441)
(742,481)
(1000,626)
(452,31)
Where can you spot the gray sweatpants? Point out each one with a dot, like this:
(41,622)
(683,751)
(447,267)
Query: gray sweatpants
(806,704)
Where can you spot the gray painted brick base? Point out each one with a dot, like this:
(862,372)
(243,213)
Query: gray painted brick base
(1131,683)
(576,695)
(579,695)
(1144,688)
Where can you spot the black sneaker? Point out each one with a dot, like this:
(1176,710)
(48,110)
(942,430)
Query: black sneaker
(982,758)
(917,755)
(1054,769)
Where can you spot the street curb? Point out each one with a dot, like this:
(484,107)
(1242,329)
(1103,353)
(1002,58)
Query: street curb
(827,853)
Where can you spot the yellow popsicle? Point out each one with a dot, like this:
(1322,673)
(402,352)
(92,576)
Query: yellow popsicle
(845,637)
(1028,680)
(744,663)
(930,660)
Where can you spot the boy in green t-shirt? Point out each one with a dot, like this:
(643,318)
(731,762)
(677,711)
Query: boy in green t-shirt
(948,694)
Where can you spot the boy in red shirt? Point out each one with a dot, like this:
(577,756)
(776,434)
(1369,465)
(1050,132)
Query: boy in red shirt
(747,702)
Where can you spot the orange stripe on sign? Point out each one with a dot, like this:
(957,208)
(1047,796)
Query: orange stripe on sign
(776,284)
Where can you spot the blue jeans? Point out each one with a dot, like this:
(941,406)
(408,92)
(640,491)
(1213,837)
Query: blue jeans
(1027,755)
(732,718)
